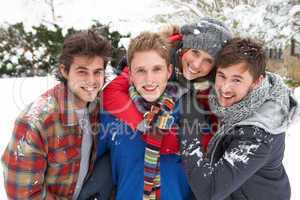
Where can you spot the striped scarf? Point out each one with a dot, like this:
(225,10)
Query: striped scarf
(157,120)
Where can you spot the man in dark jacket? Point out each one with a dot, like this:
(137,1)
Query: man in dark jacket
(244,157)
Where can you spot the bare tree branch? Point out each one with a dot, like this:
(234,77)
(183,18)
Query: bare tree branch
(193,8)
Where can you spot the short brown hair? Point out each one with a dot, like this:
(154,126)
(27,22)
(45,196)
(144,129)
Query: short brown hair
(243,50)
(83,43)
(147,41)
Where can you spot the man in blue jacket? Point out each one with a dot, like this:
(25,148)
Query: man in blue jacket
(144,156)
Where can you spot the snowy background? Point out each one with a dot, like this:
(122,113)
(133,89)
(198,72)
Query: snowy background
(274,21)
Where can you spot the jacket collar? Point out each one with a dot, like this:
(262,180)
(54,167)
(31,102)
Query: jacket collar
(65,99)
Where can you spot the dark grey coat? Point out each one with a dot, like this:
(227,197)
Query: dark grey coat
(244,163)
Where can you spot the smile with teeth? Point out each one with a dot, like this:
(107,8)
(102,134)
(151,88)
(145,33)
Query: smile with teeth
(191,70)
(227,96)
(89,89)
(150,88)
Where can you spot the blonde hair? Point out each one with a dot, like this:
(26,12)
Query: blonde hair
(147,41)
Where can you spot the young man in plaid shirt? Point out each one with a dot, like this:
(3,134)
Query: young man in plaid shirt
(52,149)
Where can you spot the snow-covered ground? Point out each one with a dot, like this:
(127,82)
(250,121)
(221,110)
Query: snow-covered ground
(18,92)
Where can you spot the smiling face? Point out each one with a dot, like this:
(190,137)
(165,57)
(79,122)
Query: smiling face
(149,73)
(196,63)
(233,83)
(85,78)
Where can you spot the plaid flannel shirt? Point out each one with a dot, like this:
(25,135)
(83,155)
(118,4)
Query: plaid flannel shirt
(42,159)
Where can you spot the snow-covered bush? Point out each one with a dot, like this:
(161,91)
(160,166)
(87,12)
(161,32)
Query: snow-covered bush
(34,52)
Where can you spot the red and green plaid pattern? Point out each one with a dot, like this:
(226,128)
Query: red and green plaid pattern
(42,159)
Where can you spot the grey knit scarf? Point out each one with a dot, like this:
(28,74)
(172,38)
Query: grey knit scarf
(272,89)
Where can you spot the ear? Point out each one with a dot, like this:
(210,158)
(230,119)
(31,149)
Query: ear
(256,84)
(63,71)
(129,76)
(170,70)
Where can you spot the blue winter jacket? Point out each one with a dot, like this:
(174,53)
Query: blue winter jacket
(127,158)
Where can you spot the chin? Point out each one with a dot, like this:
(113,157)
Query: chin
(224,104)
(188,76)
(150,98)
(90,99)
(227,104)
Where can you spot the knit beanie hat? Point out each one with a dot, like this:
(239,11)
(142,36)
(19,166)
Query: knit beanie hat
(208,34)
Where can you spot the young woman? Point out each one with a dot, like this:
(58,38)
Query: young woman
(244,158)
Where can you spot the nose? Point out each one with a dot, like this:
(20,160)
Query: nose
(226,87)
(149,78)
(197,63)
(91,79)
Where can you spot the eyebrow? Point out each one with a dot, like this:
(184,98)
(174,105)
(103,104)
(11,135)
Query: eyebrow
(158,66)
(145,67)
(210,60)
(86,68)
(238,76)
(81,67)
(140,67)
(235,76)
